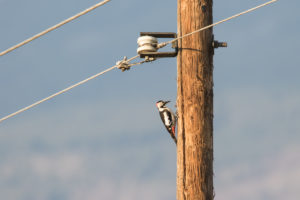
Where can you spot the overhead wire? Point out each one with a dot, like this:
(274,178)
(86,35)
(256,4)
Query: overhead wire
(125,61)
(214,24)
(54,27)
(65,90)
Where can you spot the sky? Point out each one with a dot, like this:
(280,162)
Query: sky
(104,139)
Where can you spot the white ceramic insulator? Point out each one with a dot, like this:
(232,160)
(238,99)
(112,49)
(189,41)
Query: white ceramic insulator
(146,48)
(147,44)
(147,40)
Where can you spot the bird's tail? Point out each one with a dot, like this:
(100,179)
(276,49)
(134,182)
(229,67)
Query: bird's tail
(173,135)
(174,138)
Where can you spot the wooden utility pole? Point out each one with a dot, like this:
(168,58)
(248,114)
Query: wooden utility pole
(195,102)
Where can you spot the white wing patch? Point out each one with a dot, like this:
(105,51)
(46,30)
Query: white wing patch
(166,118)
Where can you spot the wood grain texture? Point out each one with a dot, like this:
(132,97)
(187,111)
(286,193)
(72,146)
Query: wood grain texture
(195,102)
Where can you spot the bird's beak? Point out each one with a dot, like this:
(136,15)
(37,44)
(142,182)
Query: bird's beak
(165,102)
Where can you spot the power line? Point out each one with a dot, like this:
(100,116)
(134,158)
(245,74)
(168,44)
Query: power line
(54,27)
(219,22)
(71,87)
(124,64)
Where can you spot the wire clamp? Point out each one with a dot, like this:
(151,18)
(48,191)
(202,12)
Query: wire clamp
(149,59)
(123,64)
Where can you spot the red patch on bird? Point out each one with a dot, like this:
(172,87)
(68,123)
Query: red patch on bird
(173,130)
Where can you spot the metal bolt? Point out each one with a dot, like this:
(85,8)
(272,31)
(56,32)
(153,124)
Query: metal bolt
(217,44)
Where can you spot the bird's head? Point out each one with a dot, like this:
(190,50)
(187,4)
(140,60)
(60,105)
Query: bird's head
(161,103)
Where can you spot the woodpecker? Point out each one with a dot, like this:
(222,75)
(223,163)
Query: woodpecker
(167,117)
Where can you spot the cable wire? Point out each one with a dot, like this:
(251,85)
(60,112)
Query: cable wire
(219,22)
(125,61)
(54,27)
(65,90)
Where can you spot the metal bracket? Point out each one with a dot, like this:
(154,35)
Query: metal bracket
(161,54)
